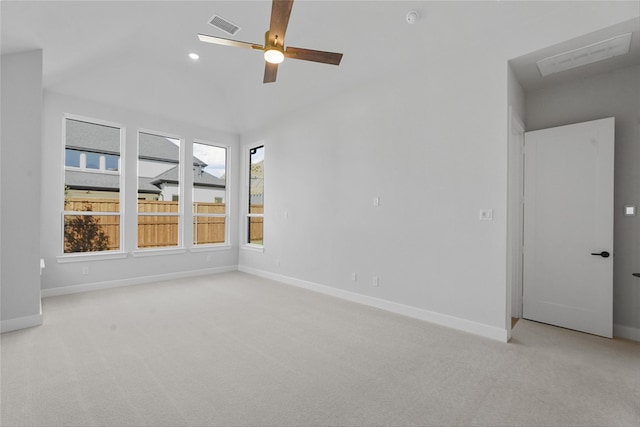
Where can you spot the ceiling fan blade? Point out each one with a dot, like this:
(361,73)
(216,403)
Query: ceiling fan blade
(313,55)
(280,12)
(228,42)
(270,72)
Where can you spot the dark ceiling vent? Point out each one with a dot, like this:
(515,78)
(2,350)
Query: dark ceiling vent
(222,24)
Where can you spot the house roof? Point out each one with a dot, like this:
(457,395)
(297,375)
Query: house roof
(106,139)
(104,182)
(92,137)
(203,179)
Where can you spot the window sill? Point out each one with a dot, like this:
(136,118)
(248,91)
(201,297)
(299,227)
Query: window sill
(81,257)
(155,252)
(252,248)
(210,248)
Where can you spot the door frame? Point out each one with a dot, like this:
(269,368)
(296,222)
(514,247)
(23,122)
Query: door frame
(515,213)
(582,303)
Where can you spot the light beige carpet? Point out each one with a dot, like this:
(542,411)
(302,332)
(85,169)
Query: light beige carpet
(234,349)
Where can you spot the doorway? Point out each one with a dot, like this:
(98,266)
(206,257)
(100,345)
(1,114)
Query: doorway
(568,226)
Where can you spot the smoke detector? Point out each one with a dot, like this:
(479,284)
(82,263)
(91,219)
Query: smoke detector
(412,17)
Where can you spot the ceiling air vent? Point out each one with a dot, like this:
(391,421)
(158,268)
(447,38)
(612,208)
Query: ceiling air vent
(222,24)
(585,55)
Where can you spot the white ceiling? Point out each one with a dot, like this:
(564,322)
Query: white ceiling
(529,76)
(135,54)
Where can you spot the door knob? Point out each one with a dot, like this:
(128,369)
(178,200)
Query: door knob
(603,254)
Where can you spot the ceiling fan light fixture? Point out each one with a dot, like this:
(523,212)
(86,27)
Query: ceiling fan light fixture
(274,55)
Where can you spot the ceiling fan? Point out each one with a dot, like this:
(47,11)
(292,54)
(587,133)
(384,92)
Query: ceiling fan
(274,49)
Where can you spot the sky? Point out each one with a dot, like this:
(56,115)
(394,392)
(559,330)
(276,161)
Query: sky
(214,157)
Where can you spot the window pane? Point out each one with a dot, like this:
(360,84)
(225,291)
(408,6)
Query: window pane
(93,160)
(255,230)
(72,158)
(256,180)
(158,167)
(111,162)
(208,230)
(157,231)
(158,190)
(209,175)
(98,190)
(209,193)
(89,233)
(256,195)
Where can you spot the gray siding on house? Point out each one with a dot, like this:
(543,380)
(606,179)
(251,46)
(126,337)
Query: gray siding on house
(102,181)
(203,179)
(97,138)
(92,137)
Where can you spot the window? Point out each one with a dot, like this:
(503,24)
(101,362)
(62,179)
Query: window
(93,160)
(112,163)
(158,191)
(255,217)
(91,216)
(72,158)
(93,201)
(209,194)
(90,160)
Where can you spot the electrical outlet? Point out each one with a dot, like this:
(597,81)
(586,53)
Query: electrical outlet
(375,281)
(354,277)
(376,201)
(85,270)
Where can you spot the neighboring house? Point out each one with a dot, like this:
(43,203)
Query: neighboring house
(92,166)
(206,186)
(256,186)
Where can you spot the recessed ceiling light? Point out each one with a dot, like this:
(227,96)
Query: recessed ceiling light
(194,56)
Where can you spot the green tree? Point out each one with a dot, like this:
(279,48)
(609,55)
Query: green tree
(83,233)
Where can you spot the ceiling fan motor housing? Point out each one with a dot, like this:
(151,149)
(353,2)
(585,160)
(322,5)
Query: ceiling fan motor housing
(273,52)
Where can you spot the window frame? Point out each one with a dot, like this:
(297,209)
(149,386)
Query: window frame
(180,247)
(116,253)
(227,198)
(247,215)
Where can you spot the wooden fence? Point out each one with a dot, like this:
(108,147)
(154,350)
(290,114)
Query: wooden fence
(255,224)
(160,230)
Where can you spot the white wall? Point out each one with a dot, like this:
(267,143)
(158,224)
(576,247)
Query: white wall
(516,101)
(431,143)
(21,88)
(153,168)
(61,276)
(614,94)
(516,95)
(208,194)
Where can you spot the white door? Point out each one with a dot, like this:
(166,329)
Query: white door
(568,226)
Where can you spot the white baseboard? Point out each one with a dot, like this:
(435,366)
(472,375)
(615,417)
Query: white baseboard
(65,290)
(405,310)
(21,322)
(627,332)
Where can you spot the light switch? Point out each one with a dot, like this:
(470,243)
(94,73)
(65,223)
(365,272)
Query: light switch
(630,210)
(486,214)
